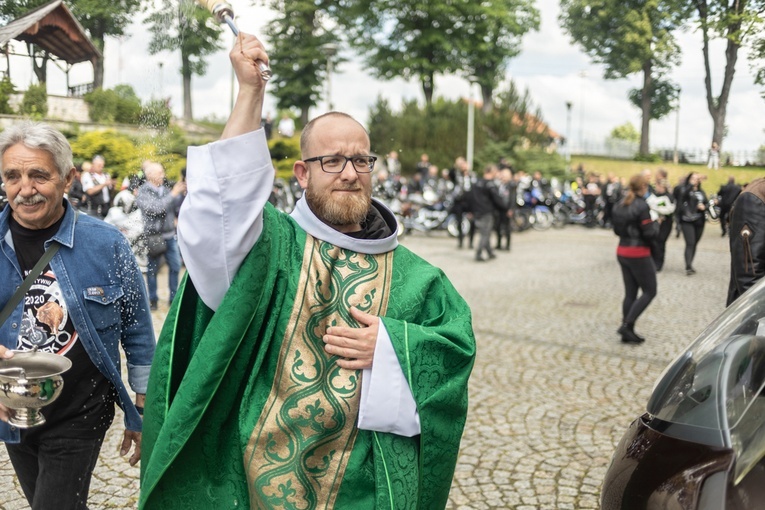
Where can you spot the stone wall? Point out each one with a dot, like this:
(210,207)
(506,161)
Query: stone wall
(71,109)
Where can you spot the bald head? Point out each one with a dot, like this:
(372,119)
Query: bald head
(155,173)
(339,121)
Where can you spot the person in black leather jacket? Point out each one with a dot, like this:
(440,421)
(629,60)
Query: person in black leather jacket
(692,204)
(636,230)
(486,201)
(747,239)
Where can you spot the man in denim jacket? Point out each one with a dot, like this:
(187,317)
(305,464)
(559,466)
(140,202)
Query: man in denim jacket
(87,301)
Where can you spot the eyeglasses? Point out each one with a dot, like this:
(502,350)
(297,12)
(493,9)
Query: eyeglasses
(336,164)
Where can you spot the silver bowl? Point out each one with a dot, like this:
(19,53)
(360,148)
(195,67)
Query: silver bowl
(29,381)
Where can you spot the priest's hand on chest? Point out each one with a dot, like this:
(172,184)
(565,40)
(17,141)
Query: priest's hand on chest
(354,346)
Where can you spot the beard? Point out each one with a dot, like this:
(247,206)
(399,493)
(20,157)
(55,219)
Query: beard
(339,211)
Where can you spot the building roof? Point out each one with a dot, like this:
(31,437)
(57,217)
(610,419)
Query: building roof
(52,28)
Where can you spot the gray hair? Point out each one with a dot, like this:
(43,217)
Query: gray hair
(36,135)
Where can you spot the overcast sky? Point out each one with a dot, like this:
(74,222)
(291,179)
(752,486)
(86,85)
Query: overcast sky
(554,70)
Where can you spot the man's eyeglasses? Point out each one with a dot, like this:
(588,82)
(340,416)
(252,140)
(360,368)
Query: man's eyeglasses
(336,164)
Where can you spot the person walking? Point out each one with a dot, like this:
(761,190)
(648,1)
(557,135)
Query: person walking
(692,205)
(486,203)
(662,205)
(508,190)
(159,206)
(636,230)
(310,361)
(85,303)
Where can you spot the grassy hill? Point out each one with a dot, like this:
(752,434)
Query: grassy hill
(628,168)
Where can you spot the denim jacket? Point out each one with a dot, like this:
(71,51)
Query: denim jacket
(93,254)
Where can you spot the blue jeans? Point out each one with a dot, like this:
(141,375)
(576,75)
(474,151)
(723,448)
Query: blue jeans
(173,258)
(55,472)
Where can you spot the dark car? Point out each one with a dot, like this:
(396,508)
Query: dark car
(701,443)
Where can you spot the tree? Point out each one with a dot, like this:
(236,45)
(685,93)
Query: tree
(494,30)
(406,38)
(296,39)
(627,37)
(625,132)
(177,25)
(103,18)
(734,21)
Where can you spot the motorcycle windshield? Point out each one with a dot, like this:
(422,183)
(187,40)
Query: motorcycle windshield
(713,392)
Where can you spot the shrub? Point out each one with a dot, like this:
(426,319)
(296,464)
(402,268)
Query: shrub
(35,102)
(118,150)
(284,153)
(156,114)
(6,89)
(118,105)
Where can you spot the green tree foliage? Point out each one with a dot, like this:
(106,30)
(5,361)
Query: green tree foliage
(103,18)
(663,95)
(118,105)
(737,22)
(625,132)
(6,89)
(406,38)
(184,26)
(627,37)
(493,31)
(440,130)
(297,37)
(35,101)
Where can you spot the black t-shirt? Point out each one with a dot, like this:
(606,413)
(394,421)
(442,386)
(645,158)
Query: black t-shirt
(85,408)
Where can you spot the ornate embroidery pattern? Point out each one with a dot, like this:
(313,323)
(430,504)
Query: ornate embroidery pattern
(298,450)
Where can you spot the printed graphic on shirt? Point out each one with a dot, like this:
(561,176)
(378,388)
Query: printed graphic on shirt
(46,323)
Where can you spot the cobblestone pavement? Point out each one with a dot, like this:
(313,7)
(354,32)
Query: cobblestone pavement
(553,389)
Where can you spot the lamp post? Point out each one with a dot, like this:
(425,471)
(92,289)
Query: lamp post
(161,78)
(583,75)
(675,155)
(330,50)
(470,124)
(569,104)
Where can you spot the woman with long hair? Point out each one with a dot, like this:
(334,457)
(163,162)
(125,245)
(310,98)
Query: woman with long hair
(636,230)
(692,204)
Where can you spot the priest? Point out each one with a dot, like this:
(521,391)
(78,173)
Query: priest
(308,360)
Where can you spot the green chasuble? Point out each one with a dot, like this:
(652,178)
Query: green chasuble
(246,410)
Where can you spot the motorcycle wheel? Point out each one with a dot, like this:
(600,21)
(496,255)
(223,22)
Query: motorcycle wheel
(521,220)
(560,219)
(543,220)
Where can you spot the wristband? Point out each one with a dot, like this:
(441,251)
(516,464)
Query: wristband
(139,409)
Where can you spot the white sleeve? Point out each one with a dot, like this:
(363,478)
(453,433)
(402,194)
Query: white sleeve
(387,403)
(87,181)
(228,183)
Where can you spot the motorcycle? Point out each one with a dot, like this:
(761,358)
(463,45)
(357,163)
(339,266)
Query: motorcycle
(424,213)
(535,210)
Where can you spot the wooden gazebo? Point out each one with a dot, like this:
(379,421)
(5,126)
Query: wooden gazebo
(52,28)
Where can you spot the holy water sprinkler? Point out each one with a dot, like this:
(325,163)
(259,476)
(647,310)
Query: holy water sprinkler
(225,14)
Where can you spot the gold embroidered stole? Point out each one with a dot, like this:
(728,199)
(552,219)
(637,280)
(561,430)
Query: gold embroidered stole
(298,451)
